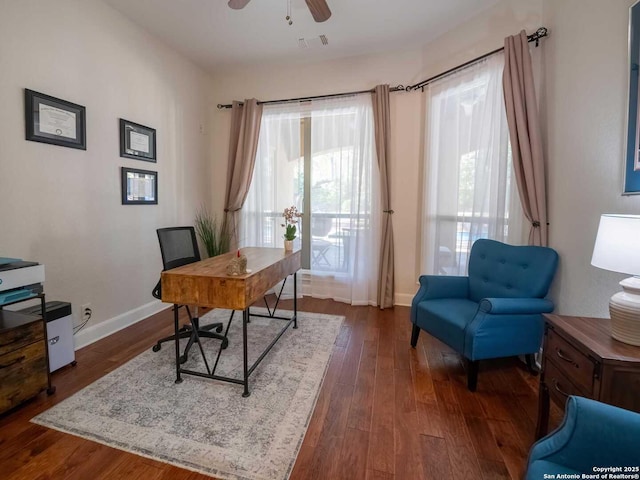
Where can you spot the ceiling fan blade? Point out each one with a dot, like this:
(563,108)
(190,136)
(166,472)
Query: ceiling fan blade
(238,4)
(319,10)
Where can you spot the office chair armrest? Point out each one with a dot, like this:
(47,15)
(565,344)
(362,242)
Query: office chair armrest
(157,290)
(515,306)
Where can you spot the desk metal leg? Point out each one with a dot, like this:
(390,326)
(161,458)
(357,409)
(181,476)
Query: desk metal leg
(245,320)
(176,327)
(295,300)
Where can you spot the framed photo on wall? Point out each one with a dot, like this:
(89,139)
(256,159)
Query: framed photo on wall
(139,187)
(54,121)
(137,141)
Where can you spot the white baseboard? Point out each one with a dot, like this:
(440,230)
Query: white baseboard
(92,334)
(403,299)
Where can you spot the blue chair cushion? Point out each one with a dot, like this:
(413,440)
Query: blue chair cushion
(539,468)
(494,312)
(506,271)
(592,434)
(447,319)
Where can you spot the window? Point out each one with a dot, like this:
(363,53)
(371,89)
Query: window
(320,157)
(469,188)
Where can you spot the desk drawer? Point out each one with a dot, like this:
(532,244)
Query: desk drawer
(575,365)
(23,374)
(559,386)
(22,336)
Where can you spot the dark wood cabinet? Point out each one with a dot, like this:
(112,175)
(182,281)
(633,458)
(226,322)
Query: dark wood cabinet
(581,358)
(24,370)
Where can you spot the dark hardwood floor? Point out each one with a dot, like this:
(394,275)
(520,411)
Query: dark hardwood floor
(385,411)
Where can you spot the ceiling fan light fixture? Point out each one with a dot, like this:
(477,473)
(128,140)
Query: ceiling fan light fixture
(288,17)
(238,4)
(319,10)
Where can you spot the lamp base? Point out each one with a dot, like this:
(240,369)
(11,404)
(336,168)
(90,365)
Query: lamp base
(624,308)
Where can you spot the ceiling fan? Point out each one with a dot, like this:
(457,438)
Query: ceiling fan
(318,8)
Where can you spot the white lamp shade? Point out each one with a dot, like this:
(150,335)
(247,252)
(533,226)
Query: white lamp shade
(617,246)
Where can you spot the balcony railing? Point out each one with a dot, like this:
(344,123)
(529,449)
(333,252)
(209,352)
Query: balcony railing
(455,236)
(331,243)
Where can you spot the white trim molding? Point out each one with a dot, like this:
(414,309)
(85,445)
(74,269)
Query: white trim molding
(403,299)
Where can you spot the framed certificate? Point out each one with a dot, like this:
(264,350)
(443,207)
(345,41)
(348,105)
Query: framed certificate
(139,187)
(55,121)
(137,141)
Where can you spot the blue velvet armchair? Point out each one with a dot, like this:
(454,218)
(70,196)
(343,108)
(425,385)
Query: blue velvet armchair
(496,311)
(593,435)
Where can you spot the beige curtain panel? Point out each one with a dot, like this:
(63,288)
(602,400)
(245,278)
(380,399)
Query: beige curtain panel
(243,145)
(382,123)
(524,134)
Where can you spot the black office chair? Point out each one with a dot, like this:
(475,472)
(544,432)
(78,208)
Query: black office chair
(178,246)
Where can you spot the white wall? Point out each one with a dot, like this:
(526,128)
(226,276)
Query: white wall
(584,103)
(60,206)
(472,38)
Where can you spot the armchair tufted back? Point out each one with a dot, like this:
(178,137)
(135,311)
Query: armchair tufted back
(507,271)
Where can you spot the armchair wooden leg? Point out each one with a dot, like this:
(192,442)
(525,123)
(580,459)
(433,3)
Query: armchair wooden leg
(414,335)
(472,374)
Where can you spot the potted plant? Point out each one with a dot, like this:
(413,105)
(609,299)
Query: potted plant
(291,216)
(214,235)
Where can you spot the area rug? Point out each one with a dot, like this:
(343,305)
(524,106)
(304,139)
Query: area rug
(205,425)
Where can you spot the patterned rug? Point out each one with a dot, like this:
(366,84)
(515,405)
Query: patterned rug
(205,425)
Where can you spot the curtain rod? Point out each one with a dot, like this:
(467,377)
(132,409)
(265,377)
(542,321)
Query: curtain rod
(398,88)
(534,37)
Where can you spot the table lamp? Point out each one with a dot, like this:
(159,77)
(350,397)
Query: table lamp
(617,248)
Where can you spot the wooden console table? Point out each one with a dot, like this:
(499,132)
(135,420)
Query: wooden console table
(581,358)
(207,284)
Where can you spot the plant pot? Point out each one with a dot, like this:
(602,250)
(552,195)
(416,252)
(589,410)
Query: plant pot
(288,245)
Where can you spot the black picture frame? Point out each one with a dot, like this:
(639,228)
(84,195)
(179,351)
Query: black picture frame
(55,121)
(137,141)
(139,187)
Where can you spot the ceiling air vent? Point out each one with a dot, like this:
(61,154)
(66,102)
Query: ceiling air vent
(313,42)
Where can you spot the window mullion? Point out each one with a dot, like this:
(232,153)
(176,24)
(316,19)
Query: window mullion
(306,207)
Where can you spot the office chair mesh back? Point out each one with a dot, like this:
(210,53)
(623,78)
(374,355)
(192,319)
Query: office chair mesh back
(178,246)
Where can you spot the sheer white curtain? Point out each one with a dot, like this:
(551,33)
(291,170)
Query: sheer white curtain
(276,176)
(336,185)
(469,188)
(345,185)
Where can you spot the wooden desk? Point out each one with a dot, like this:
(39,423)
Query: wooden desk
(207,284)
(581,358)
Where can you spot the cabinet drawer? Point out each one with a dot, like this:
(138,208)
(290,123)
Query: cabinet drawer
(576,365)
(23,374)
(19,337)
(559,386)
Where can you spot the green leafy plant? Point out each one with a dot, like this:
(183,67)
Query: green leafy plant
(291,216)
(214,234)
(290,232)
